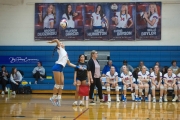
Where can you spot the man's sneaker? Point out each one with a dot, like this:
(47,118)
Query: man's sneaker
(175,98)
(92,103)
(146,99)
(140,99)
(160,100)
(2,93)
(154,99)
(165,98)
(53,100)
(81,103)
(124,99)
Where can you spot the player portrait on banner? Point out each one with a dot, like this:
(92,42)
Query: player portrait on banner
(122,21)
(96,21)
(46,18)
(148,21)
(71,21)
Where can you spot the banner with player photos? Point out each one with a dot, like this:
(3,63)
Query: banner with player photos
(47,19)
(71,21)
(122,21)
(148,20)
(98,21)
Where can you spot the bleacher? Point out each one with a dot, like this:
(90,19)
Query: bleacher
(133,54)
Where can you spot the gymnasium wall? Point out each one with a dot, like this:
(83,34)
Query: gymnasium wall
(17,25)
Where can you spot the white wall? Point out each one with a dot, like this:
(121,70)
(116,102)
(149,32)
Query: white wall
(17,25)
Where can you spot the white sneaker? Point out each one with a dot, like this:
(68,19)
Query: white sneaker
(58,97)
(81,103)
(75,103)
(53,100)
(2,93)
(175,99)
(13,93)
(165,98)
(117,99)
(109,99)
(154,99)
(160,100)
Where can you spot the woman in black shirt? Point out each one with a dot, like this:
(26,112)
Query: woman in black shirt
(80,77)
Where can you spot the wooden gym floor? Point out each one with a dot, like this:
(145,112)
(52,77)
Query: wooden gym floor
(38,107)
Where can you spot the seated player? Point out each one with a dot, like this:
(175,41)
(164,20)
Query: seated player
(170,82)
(143,77)
(112,81)
(126,77)
(156,83)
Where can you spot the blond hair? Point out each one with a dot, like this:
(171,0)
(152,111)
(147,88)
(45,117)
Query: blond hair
(126,11)
(93,52)
(155,9)
(53,12)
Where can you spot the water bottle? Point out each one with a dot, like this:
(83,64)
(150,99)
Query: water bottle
(132,95)
(8,91)
(149,97)
(30,82)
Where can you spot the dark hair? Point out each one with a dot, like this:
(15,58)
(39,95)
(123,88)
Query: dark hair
(66,11)
(165,69)
(173,62)
(101,11)
(80,57)
(125,61)
(55,48)
(3,66)
(40,62)
(158,75)
(12,71)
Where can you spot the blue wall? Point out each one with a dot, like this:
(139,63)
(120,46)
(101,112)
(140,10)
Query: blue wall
(133,54)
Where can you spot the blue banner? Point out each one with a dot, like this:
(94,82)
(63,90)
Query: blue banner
(18,60)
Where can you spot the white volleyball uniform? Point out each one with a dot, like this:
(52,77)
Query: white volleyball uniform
(153,75)
(170,79)
(153,16)
(126,77)
(143,76)
(112,77)
(178,78)
(49,18)
(70,21)
(97,19)
(63,57)
(122,20)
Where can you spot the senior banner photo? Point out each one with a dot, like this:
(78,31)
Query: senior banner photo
(148,20)
(46,21)
(122,21)
(71,21)
(96,21)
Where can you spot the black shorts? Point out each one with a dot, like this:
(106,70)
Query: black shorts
(80,79)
